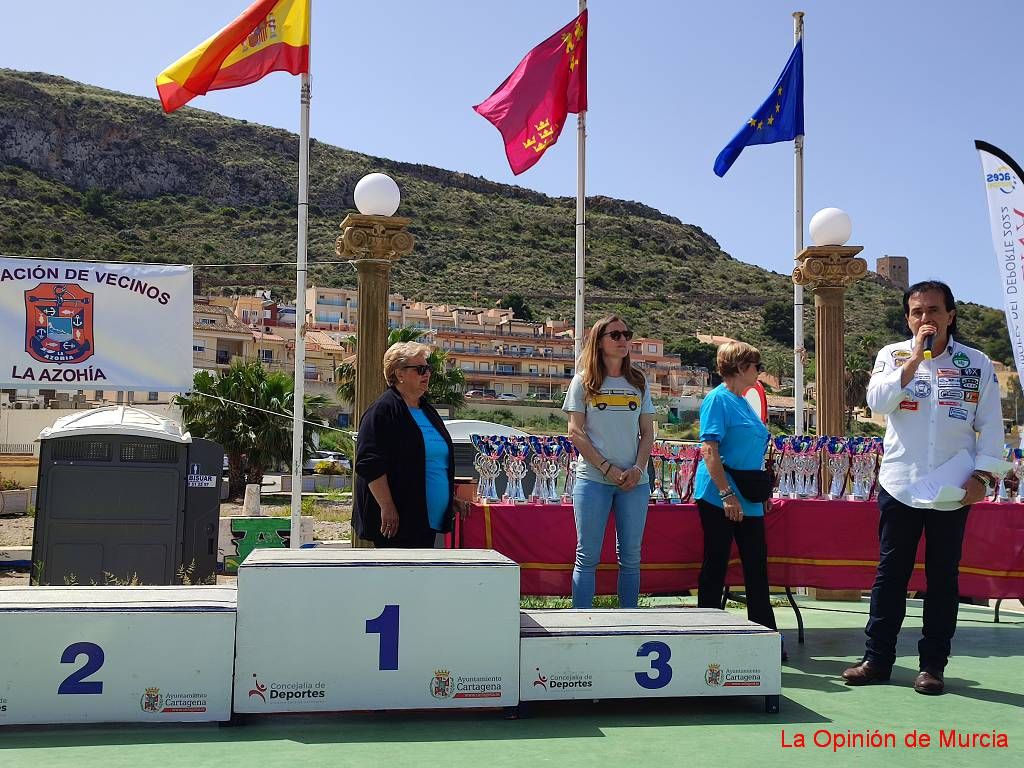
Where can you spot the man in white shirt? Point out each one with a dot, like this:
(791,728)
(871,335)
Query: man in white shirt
(941,398)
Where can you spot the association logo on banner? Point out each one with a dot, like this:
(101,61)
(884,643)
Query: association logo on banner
(58,323)
(128,325)
(3,706)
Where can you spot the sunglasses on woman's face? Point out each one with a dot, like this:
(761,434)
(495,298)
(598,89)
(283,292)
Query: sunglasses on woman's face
(422,370)
(616,335)
(760,366)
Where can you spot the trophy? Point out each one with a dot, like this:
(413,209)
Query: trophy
(660,453)
(545,464)
(487,465)
(838,463)
(782,461)
(862,467)
(571,460)
(1018,472)
(687,458)
(515,450)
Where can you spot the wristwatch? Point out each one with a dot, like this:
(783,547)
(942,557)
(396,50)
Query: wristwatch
(985,478)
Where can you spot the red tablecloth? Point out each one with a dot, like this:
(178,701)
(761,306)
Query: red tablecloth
(811,543)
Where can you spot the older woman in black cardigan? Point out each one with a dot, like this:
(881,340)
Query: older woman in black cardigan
(405,465)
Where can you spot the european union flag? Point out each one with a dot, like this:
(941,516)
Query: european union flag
(779,118)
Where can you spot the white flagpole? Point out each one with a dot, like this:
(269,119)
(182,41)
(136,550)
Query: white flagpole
(298,401)
(581,225)
(798,244)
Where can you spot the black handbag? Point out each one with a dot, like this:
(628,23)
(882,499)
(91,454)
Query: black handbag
(753,484)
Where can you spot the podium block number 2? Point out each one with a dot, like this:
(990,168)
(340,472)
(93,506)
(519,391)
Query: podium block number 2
(386,625)
(75,683)
(659,664)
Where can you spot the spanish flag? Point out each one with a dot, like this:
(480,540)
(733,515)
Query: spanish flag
(270,36)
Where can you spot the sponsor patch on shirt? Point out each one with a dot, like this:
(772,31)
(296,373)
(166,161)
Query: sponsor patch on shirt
(951,394)
(947,372)
(949,402)
(966,383)
(922,388)
(961,360)
(949,381)
(971,372)
(879,367)
(958,413)
(900,356)
(970,397)
(908,405)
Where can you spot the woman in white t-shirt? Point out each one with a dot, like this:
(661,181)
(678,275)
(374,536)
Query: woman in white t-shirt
(611,423)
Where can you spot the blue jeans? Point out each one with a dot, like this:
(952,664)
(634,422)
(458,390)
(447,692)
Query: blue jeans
(592,501)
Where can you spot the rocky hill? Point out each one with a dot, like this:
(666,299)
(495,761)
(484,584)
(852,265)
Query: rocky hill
(91,173)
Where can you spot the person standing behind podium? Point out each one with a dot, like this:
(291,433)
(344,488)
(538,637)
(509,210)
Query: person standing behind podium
(733,436)
(405,462)
(936,408)
(611,423)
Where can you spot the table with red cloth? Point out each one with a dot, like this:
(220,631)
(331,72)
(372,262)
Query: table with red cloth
(811,543)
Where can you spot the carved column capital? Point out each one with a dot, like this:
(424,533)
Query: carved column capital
(382,238)
(829,266)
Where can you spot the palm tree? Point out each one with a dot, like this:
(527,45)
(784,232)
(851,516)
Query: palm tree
(248,411)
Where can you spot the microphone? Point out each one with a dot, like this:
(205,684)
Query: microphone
(929,341)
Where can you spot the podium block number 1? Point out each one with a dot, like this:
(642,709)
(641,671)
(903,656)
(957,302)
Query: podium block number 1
(75,683)
(386,625)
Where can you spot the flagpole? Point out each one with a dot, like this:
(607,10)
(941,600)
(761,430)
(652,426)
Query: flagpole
(581,225)
(299,392)
(798,244)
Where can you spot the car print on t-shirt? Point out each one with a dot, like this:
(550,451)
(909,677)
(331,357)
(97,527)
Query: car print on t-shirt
(616,399)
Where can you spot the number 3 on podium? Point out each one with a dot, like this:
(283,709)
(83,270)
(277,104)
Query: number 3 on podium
(386,625)
(659,664)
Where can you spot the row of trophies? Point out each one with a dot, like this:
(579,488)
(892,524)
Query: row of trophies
(798,463)
(802,465)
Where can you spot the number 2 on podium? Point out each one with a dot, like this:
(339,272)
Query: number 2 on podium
(386,625)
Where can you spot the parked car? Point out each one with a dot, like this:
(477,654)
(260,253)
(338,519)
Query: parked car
(481,394)
(508,396)
(318,457)
(474,393)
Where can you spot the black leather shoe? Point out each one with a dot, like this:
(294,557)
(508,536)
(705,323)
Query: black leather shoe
(929,683)
(867,672)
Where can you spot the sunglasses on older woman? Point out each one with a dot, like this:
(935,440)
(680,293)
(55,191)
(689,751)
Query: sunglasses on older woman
(616,335)
(422,370)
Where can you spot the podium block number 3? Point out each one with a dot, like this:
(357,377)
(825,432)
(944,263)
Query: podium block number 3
(662,653)
(386,625)
(75,683)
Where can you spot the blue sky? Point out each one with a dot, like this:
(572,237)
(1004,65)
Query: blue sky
(895,94)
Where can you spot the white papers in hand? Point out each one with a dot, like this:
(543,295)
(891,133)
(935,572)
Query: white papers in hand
(943,484)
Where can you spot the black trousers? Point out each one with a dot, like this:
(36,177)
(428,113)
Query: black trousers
(899,531)
(719,533)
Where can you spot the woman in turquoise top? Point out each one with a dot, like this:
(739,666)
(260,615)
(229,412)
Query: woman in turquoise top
(732,435)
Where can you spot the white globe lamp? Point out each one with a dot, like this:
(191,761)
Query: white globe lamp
(831,226)
(376,194)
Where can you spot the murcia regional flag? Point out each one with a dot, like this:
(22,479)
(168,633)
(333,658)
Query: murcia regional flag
(1004,185)
(270,36)
(90,325)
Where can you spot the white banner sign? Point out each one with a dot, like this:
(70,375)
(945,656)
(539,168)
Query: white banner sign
(1004,184)
(85,325)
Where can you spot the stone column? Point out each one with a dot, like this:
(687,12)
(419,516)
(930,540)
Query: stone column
(372,244)
(828,270)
